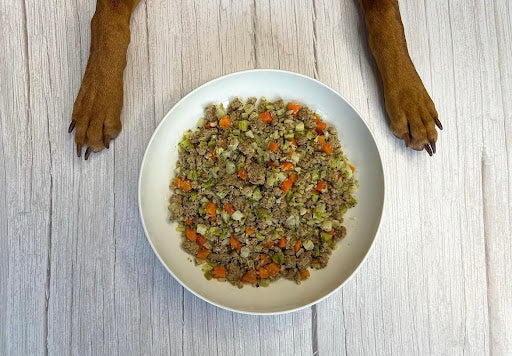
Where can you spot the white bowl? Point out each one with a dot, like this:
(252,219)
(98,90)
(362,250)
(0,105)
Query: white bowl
(362,222)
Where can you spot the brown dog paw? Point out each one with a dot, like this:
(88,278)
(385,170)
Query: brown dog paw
(413,115)
(96,112)
(97,108)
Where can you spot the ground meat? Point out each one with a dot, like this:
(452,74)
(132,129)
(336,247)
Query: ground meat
(290,261)
(258,124)
(190,247)
(246,148)
(234,272)
(301,139)
(220,258)
(256,173)
(209,113)
(235,104)
(289,274)
(231,180)
(239,203)
(320,261)
(339,233)
(304,260)
(190,209)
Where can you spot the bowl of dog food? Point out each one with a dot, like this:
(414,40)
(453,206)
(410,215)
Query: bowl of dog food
(262,191)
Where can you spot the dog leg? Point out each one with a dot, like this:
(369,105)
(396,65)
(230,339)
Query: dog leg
(411,111)
(97,109)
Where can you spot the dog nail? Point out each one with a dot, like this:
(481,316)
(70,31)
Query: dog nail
(433,145)
(71,126)
(428,149)
(438,123)
(87,153)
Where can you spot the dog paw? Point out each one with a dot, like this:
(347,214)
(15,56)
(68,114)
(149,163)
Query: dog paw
(413,115)
(97,108)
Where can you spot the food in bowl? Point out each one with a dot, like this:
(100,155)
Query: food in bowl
(260,191)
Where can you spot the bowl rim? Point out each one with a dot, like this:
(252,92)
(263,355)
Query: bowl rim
(205,298)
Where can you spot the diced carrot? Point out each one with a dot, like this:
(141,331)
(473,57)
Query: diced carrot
(273,269)
(235,244)
(297,246)
(219,272)
(286,166)
(265,260)
(288,182)
(273,146)
(211,210)
(242,173)
(185,185)
(176,183)
(293,177)
(228,208)
(286,185)
(293,142)
(203,253)
(331,232)
(352,168)
(321,186)
(268,244)
(188,221)
(225,122)
(266,117)
(328,148)
(321,140)
(320,126)
(294,107)
(316,118)
(282,242)
(212,154)
(191,234)
(304,274)
(272,164)
(249,231)
(200,240)
(210,124)
(262,271)
(250,276)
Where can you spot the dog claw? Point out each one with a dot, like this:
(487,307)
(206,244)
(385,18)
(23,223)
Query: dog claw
(71,126)
(433,145)
(438,123)
(106,141)
(78,149)
(428,149)
(87,153)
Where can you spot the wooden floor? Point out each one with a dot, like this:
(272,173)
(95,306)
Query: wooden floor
(77,275)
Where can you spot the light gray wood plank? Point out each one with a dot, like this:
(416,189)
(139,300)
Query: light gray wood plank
(284,35)
(495,38)
(27,189)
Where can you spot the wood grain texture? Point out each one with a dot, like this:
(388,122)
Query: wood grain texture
(77,275)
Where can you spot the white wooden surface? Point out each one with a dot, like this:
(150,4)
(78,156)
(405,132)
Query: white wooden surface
(76,273)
